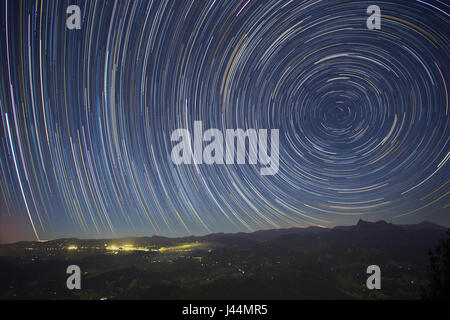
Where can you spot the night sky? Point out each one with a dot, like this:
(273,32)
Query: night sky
(86,115)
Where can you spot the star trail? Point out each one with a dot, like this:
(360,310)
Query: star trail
(86,115)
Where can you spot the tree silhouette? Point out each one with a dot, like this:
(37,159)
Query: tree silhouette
(439,277)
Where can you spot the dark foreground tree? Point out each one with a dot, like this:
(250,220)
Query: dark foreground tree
(439,277)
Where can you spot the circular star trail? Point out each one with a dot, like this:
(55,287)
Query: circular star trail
(86,115)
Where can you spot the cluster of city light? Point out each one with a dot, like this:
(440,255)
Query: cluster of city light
(183,247)
(127,247)
(130,247)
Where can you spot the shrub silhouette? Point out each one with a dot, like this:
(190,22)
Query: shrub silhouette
(439,277)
